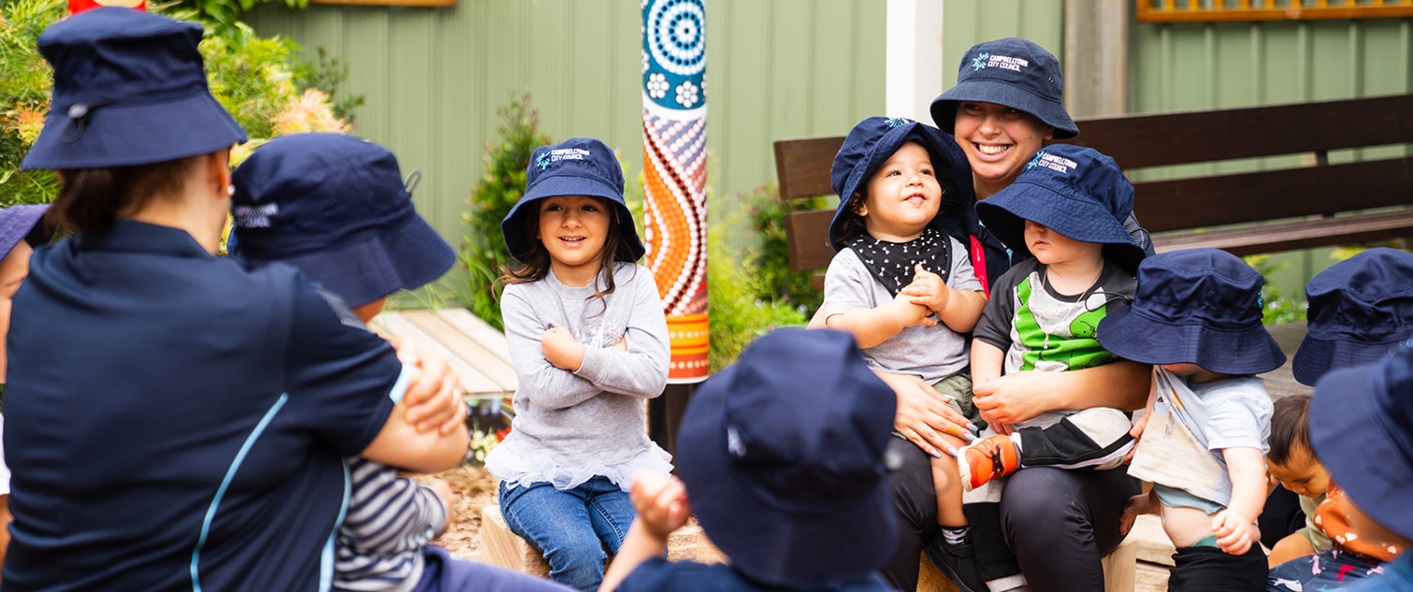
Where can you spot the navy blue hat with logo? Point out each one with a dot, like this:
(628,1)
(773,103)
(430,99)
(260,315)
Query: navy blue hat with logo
(335,207)
(1359,309)
(1013,72)
(1077,192)
(1194,306)
(782,454)
(129,89)
(20,222)
(872,142)
(577,166)
(1361,428)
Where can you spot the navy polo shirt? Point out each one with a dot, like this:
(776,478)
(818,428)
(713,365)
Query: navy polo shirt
(176,420)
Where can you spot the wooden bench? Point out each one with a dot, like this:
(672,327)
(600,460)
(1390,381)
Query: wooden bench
(1313,202)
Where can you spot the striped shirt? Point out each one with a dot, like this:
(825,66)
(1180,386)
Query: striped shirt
(389,520)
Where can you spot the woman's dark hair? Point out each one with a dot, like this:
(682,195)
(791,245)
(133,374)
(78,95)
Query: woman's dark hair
(1290,428)
(92,199)
(535,264)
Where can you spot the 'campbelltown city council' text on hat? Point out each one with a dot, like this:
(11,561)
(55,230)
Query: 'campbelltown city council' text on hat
(1012,72)
(1075,191)
(577,166)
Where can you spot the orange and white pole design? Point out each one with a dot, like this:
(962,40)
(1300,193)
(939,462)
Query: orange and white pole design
(674,166)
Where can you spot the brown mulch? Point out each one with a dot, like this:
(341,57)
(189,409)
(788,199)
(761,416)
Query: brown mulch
(475,489)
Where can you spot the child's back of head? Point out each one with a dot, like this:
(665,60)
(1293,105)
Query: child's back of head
(336,208)
(782,454)
(1360,308)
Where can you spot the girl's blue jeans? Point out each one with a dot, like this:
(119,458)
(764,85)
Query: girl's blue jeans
(572,528)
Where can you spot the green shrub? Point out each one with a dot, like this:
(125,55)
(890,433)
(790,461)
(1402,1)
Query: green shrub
(253,77)
(771,264)
(740,304)
(483,253)
(25,81)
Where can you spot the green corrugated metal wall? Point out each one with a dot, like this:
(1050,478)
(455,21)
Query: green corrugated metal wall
(433,78)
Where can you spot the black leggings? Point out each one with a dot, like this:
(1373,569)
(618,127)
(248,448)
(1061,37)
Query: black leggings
(1061,523)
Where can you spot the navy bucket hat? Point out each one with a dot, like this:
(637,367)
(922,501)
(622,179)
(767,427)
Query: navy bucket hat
(872,142)
(20,222)
(335,207)
(1013,72)
(1359,309)
(1077,192)
(1194,306)
(129,89)
(783,453)
(1361,428)
(577,166)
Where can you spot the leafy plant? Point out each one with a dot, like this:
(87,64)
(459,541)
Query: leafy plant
(483,252)
(771,264)
(739,302)
(224,15)
(1276,308)
(328,74)
(25,81)
(253,77)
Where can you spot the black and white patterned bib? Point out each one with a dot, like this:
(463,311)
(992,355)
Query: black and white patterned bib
(892,264)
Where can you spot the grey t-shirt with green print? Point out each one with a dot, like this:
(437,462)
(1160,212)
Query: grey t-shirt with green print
(1041,329)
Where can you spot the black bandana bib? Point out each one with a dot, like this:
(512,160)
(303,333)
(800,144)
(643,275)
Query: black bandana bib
(892,264)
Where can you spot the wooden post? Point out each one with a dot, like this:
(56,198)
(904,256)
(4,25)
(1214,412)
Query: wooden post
(1096,57)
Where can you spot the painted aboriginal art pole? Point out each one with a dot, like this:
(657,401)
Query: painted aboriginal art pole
(674,167)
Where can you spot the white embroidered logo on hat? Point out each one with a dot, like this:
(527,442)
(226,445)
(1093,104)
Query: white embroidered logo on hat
(1055,163)
(987,60)
(255,216)
(559,154)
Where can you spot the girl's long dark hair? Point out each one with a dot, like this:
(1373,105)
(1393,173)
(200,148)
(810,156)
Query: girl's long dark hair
(535,264)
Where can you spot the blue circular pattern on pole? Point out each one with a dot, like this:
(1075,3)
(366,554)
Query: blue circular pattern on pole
(674,53)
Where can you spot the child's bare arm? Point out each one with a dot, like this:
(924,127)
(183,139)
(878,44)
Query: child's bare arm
(1142,422)
(1235,526)
(872,326)
(958,309)
(661,503)
(987,362)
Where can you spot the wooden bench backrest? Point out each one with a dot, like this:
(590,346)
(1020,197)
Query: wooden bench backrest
(1140,141)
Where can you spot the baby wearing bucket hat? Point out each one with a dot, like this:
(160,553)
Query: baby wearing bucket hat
(1197,319)
(1065,212)
(336,208)
(1361,426)
(782,457)
(588,341)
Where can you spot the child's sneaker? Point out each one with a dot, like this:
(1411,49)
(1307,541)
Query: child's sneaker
(987,459)
(957,562)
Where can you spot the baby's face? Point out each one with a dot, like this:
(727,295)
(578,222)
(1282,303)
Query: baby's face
(1301,473)
(902,196)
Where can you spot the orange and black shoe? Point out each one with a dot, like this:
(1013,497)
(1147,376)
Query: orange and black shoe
(987,459)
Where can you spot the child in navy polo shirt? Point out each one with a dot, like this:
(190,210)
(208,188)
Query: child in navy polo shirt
(1197,319)
(335,207)
(782,456)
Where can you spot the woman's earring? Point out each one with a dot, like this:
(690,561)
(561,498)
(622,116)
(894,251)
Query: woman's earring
(230,190)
